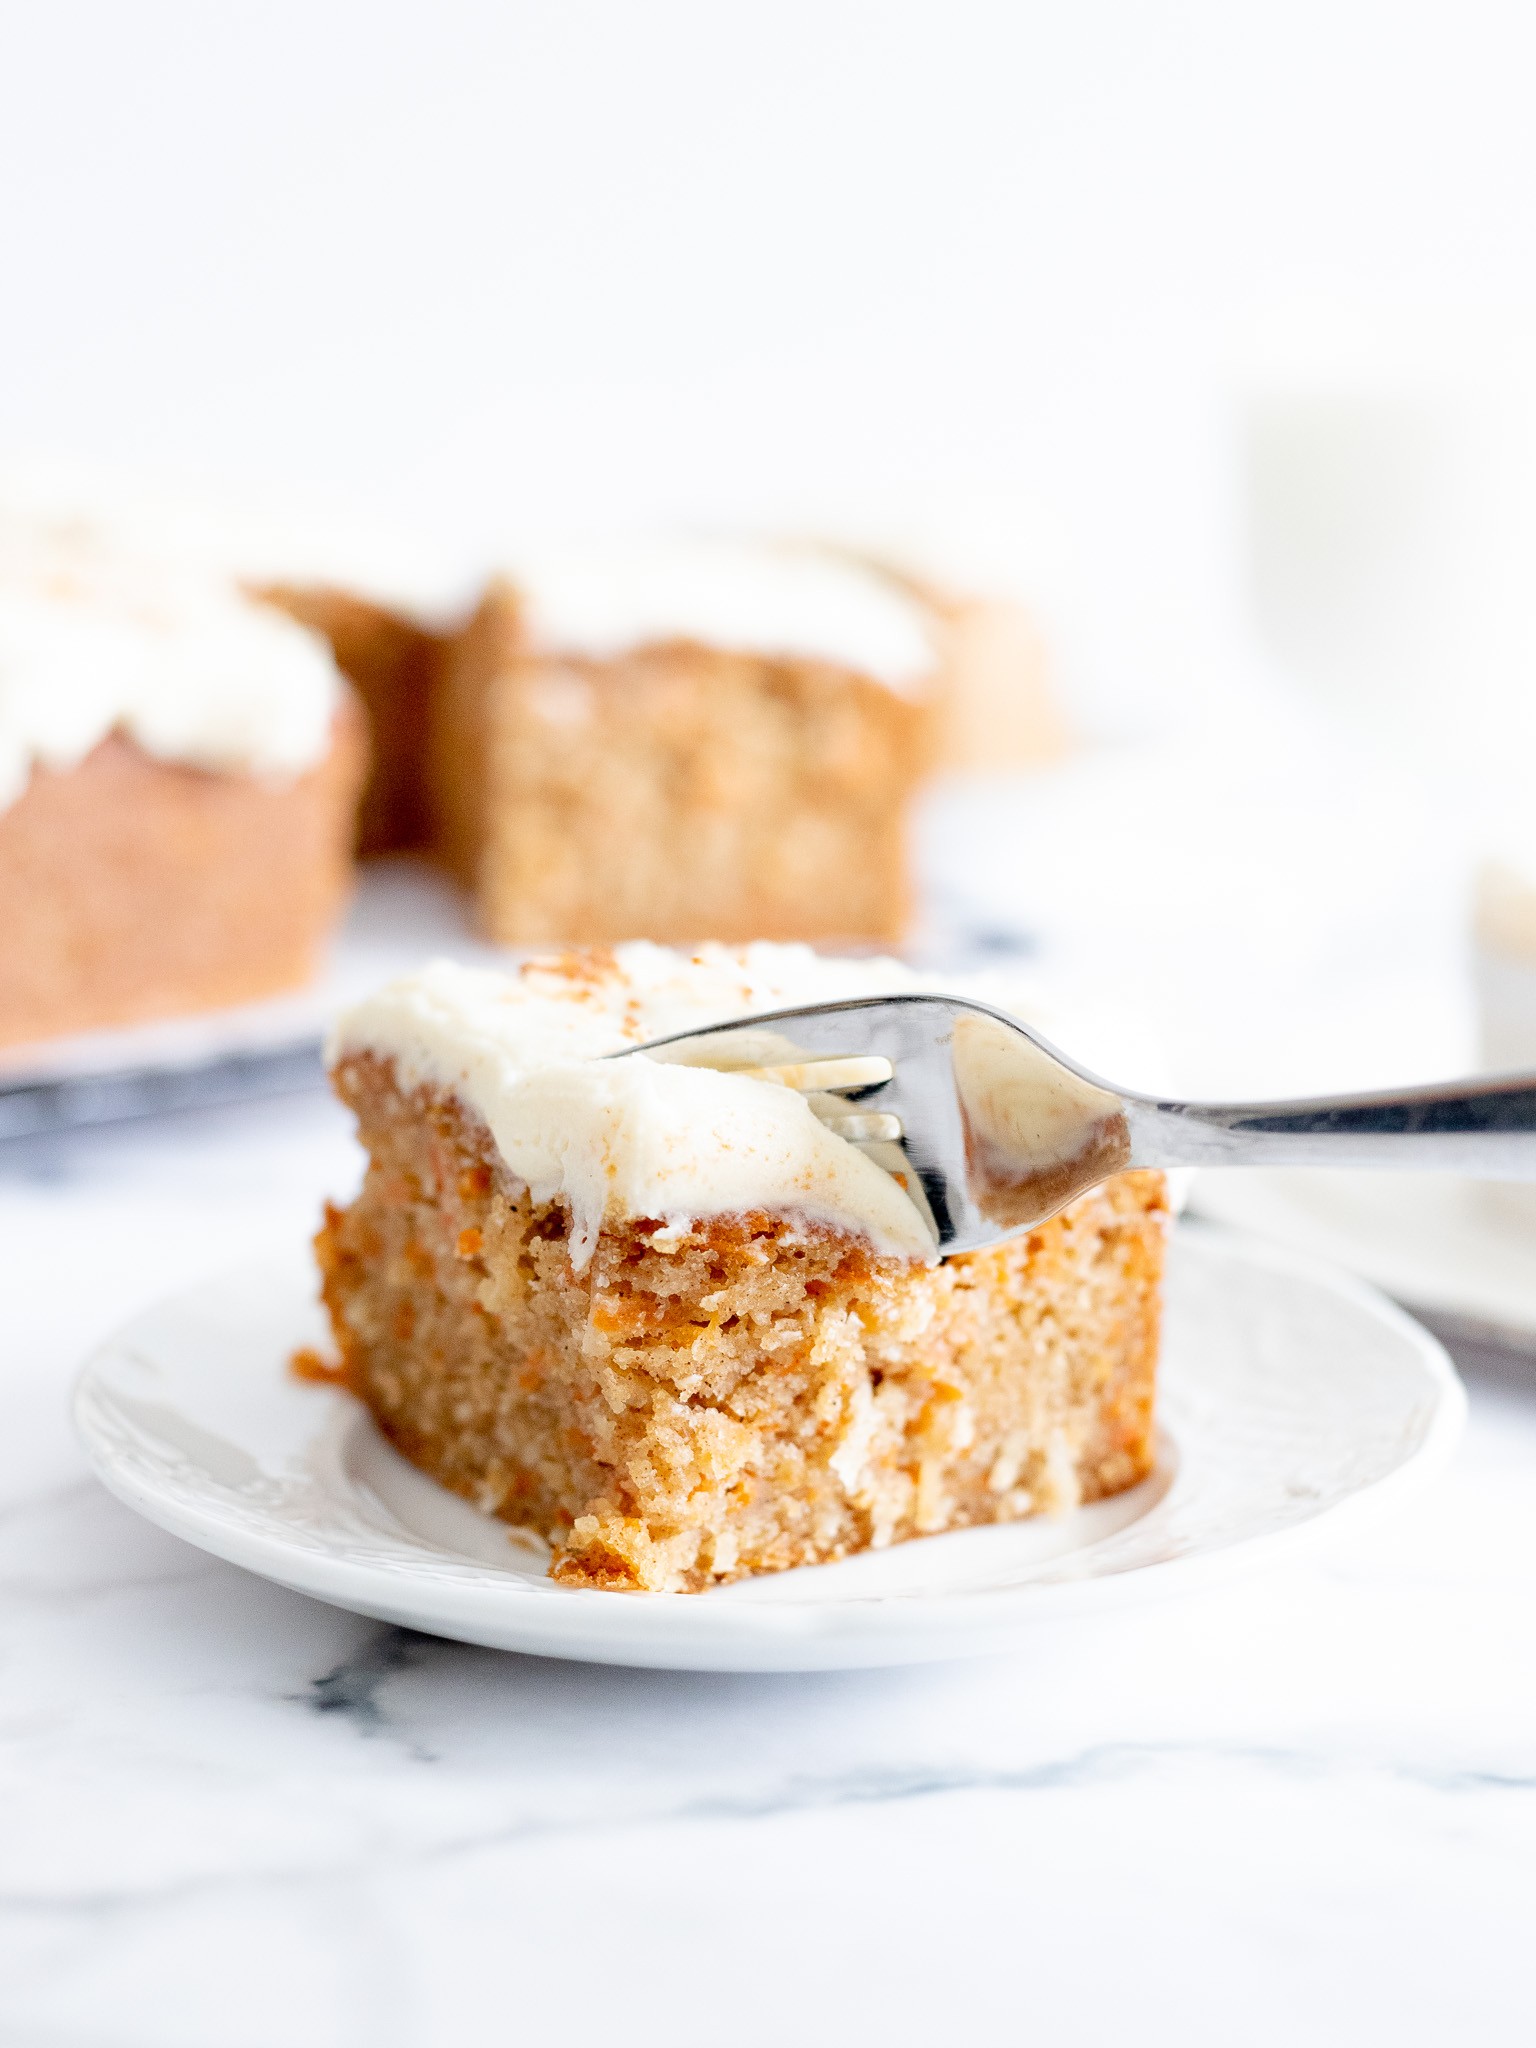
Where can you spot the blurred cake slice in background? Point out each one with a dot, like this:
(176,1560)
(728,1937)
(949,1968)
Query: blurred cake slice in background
(392,660)
(993,703)
(386,602)
(1506,988)
(995,707)
(389,610)
(978,569)
(685,741)
(179,770)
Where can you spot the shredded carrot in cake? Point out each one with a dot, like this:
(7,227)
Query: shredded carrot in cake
(309,1366)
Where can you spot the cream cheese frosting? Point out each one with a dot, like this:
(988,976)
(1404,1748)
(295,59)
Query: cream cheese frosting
(430,579)
(93,641)
(616,1139)
(624,1138)
(757,599)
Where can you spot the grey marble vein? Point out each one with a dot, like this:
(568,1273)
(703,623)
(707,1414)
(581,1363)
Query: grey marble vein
(351,1690)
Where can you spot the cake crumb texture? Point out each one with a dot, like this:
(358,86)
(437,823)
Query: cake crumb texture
(740,1395)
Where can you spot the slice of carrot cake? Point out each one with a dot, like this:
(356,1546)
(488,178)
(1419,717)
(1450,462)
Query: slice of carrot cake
(996,707)
(179,768)
(662,1315)
(684,742)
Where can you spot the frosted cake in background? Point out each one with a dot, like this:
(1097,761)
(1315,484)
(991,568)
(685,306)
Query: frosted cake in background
(179,768)
(673,740)
(387,604)
(684,741)
(995,708)
(665,1317)
(679,740)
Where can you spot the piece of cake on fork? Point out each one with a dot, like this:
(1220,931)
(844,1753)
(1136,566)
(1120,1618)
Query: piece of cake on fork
(664,1316)
(684,741)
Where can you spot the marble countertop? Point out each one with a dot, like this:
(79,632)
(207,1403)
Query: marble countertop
(1300,1809)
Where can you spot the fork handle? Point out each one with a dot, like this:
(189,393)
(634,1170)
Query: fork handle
(1481,1127)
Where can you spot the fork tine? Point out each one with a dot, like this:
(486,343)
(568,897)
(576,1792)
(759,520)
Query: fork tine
(872,1128)
(895,1162)
(829,1076)
(997,1130)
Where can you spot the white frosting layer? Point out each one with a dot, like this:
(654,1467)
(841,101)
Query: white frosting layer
(772,600)
(431,581)
(92,641)
(628,1138)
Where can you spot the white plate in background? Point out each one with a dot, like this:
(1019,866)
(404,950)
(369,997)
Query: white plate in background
(1290,1394)
(1433,1241)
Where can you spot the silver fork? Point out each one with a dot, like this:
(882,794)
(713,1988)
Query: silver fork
(991,1130)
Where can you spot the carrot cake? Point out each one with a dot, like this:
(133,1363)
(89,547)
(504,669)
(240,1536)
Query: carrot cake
(995,704)
(664,1316)
(179,767)
(386,603)
(389,613)
(685,742)
(391,660)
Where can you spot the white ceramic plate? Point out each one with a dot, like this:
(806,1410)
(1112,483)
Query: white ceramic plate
(1290,1393)
(1434,1241)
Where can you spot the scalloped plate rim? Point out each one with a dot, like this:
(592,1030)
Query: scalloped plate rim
(496,1608)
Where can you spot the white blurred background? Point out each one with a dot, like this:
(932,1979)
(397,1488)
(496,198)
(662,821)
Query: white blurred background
(1139,286)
